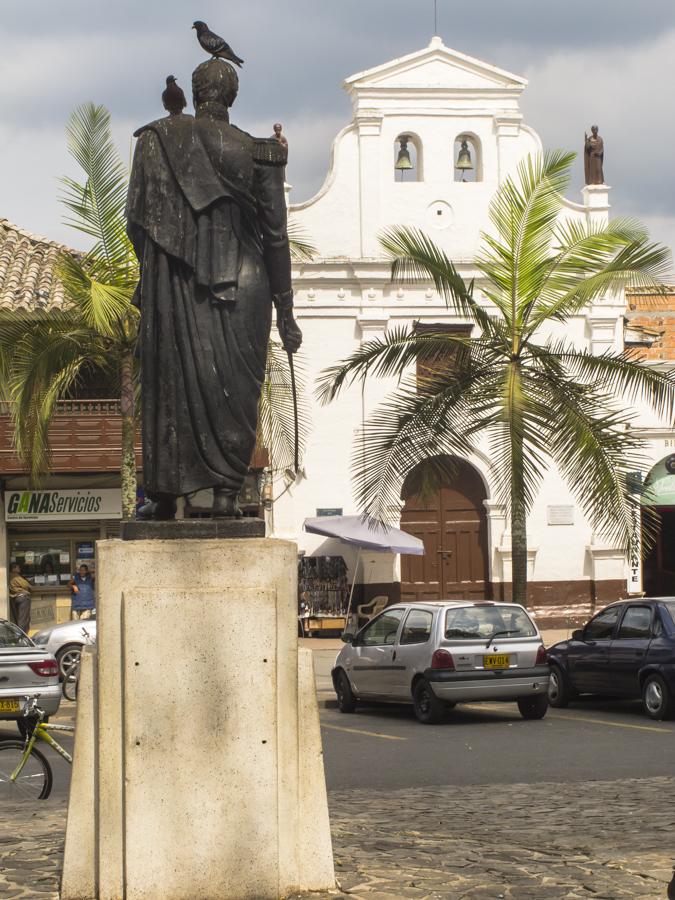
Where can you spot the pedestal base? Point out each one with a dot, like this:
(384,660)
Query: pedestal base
(208,777)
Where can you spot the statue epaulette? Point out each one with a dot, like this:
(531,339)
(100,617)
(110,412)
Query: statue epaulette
(269,152)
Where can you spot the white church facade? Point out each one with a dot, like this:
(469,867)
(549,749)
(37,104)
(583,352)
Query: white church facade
(429,111)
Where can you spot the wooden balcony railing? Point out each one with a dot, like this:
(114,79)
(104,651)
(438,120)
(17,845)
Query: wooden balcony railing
(85,436)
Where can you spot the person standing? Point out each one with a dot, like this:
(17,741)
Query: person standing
(20,591)
(83,598)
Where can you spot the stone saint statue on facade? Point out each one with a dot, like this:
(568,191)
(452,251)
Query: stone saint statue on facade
(594,157)
(207,217)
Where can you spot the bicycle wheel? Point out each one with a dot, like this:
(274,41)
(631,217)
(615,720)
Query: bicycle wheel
(69,685)
(34,782)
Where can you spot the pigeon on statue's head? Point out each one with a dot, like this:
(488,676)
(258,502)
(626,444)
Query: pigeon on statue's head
(215,45)
(173,97)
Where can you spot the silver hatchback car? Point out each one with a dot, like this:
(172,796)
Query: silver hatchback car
(441,653)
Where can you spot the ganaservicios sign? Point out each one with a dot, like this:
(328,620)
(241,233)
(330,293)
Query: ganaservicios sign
(36,506)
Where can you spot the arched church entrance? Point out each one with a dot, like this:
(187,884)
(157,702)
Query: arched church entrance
(658,567)
(452,522)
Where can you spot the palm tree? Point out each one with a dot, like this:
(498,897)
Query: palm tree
(519,384)
(45,355)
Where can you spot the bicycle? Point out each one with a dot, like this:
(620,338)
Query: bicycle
(25,773)
(71,675)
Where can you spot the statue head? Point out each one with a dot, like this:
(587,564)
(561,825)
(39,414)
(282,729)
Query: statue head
(214,80)
(594,130)
(278,127)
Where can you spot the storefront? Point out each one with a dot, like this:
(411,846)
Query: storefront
(50,533)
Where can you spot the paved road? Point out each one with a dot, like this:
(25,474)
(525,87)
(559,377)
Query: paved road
(386,748)
(486,805)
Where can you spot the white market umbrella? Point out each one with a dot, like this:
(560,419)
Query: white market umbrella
(366,534)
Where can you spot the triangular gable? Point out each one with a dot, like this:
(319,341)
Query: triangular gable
(436,66)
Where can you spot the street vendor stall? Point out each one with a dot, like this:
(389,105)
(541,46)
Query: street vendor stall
(364,534)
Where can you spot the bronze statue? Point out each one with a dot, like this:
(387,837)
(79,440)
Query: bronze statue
(594,156)
(207,216)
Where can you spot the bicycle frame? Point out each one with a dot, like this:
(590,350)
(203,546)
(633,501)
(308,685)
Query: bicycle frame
(41,733)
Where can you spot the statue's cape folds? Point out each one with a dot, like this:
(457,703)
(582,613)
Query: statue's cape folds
(178,200)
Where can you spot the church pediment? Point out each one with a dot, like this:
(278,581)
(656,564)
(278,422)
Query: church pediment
(436,67)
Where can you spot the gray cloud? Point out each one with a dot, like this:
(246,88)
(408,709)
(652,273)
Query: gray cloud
(56,56)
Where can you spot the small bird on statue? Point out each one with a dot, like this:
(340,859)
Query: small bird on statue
(173,97)
(215,45)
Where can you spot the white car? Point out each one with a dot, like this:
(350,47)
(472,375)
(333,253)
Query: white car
(66,641)
(441,653)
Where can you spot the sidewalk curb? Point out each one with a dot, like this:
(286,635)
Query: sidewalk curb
(326,700)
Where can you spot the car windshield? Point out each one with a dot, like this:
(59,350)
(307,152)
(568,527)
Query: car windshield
(468,623)
(670,606)
(11,636)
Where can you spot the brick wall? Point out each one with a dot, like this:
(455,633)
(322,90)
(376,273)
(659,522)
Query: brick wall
(650,326)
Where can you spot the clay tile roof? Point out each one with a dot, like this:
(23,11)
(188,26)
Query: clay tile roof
(27,263)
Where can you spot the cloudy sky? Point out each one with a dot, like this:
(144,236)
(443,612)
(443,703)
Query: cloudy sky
(609,62)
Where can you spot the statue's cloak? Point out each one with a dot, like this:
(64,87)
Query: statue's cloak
(207,217)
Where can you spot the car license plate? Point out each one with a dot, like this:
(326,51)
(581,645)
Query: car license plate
(496,661)
(9,706)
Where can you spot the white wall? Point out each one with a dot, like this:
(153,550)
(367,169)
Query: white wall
(345,296)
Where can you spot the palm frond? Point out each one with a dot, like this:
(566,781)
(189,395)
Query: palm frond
(100,306)
(619,374)
(406,430)
(394,354)
(97,205)
(416,258)
(276,415)
(523,212)
(302,250)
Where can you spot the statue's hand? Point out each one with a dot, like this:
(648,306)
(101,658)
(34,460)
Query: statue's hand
(291,336)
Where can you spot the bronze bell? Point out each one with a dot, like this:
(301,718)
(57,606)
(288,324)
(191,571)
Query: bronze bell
(404,161)
(464,158)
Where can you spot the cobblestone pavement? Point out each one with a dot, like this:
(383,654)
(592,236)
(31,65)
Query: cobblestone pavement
(601,840)
(31,849)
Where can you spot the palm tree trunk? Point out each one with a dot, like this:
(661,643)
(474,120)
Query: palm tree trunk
(128,472)
(518,525)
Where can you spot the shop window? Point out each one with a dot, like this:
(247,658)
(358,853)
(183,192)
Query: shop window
(49,563)
(408,158)
(468,160)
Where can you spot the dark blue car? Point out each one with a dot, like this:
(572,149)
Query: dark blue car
(626,651)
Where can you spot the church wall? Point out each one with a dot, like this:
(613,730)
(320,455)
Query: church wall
(345,297)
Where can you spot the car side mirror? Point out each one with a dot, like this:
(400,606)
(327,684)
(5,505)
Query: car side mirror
(578,634)
(347,637)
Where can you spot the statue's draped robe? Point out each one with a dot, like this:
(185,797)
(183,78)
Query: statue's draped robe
(207,217)
(594,156)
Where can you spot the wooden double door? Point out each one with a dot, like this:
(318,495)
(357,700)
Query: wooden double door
(453,525)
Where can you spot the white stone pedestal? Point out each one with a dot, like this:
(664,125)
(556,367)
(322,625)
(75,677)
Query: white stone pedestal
(198,743)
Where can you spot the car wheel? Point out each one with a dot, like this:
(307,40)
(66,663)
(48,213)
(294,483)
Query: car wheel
(558,689)
(533,707)
(428,708)
(68,657)
(345,698)
(657,698)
